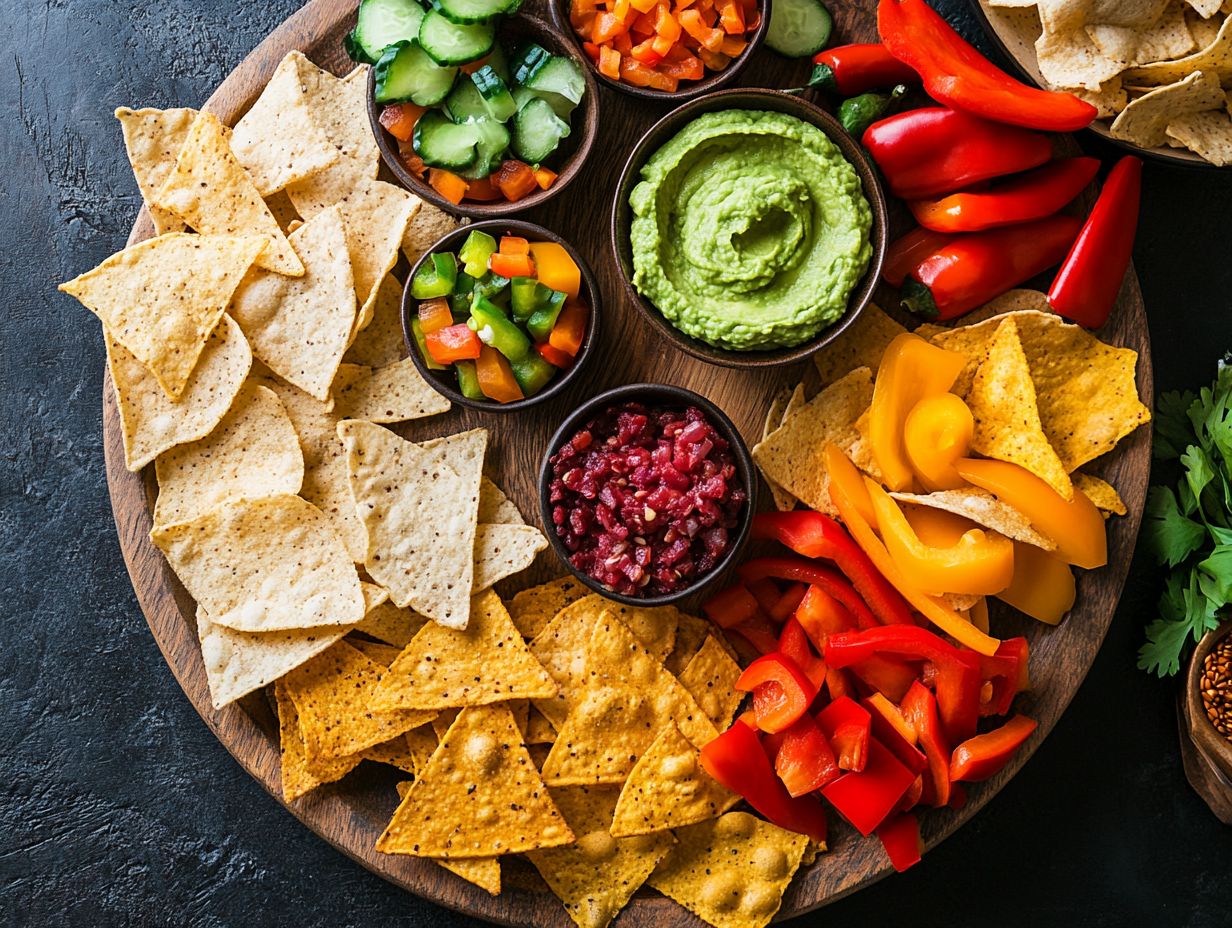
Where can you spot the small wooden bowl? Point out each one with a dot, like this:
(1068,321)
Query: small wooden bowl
(663,395)
(559,10)
(445,382)
(1207,754)
(757,99)
(570,156)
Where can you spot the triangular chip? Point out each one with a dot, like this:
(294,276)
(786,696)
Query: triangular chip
(731,871)
(479,796)
(264,564)
(300,326)
(395,752)
(691,634)
(150,421)
(392,624)
(394,393)
(668,788)
(380,342)
(162,298)
(1215,58)
(420,518)
(383,654)
(284,211)
(982,507)
(340,106)
(503,550)
(213,194)
(426,228)
(297,778)
(1101,493)
(1207,134)
(861,344)
(785,403)
(532,609)
(153,138)
(484,872)
(1144,121)
(495,508)
(597,875)
(710,678)
(538,729)
(484,663)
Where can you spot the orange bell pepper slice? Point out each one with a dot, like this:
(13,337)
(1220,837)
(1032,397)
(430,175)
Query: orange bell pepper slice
(710,39)
(936,433)
(434,314)
(570,329)
(513,245)
(665,23)
(511,265)
(447,184)
(978,613)
(495,376)
(545,177)
(1043,586)
(556,269)
(607,27)
(514,179)
(609,58)
(399,119)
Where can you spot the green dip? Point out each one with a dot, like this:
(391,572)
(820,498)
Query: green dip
(750,230)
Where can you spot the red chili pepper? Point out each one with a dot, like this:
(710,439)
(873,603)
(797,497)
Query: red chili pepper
(849,70)
(868,797)
(905,254)
(849,728)
(889,731)
(1033,195)
(830,580)
(975,268)
(980,757)
(920,709)
(956,74)
(1086,287)
(935,150)
(805,761)
(900,836)
(1007,672)
(781,690)
(794,642)
(813,534)
(736,759)
(731,607)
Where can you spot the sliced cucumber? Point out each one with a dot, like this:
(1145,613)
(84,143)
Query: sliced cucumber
(498,62)
(799,28)
(471,11)
(492,145)
(465,103)
(450,43)
(528,59)
(558,75)
(443,143)
(495,93)
(560,106)
(537,130)
(405,72)
(381,23)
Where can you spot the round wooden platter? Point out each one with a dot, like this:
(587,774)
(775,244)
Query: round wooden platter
(352,813)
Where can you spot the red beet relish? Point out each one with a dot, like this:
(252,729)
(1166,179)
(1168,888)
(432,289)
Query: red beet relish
(646,500)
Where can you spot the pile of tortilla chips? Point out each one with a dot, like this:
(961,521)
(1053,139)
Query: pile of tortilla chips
(1157,68)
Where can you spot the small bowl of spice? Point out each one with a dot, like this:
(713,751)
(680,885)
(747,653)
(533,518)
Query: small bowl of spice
(1207,710)
(647,493)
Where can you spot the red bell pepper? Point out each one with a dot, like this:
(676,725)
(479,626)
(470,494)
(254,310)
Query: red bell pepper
(848,726)
(830,580)
(788,602)
(905,254)
(1086,287)
(956,74)
(820,615)
(453,343)
(936,150)
(759,633)
(839,683)
(766,592)
(805,761)
(912,797)
(736,760)
(816,535)
(731,607)
(975,268)
(885,675)
(795,644)
(849,70)
(1033,195)
(1007,673)
(890,733)
(920,710)
(782,692)
(570,329)
(900,836)
(868,797)
(511,265)
(980,757)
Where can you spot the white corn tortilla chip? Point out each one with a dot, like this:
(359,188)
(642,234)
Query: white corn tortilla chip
(502,550)
(1208,134)
(394,393)
(1167,38)
(153,138)
(1145,121)
(380,342)
(1215,58)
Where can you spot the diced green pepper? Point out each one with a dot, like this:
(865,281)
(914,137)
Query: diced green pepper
(475,252)
(542,321)
(532,373)
(435,277)
(528,295)
(493,287)
(468,380)
(418,331)
(496,330)
(460,300)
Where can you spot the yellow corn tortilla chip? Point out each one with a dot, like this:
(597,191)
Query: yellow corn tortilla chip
(391,624)
(710,678)
(502,550)
(627,698)
(1101,493)
(440,724)
(297,778)
(561,646)
(150,421)
(783,405)
(162,298)
(395,393)
(383,654)
(421,742)
(420,518)
(1145,120)
(495,508)
(1215,59)
(1011,301)
(153,138)
(484,663)
(691,634)
(380,343)
(395,753)
(982,507)
(596,875)
(532,609)
(252,452)
(210,190)
(300,326)
(1207,134)
(264,564)
(479,796)
(861,344)
(484,872)
(731,871)
(668,788)
(1166,38)
(278,141)
(538,729)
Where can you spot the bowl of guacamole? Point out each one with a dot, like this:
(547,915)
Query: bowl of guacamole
(749,228)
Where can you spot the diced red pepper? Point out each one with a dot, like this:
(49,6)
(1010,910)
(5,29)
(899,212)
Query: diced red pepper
(554,356)
(434,314)
(511,265)
(759,633)
(1007,672)
(821,615)
(891,728)
(766,592)
(781,690)
(920,710)
(900,836)
(805,761)
(570,329)
(830,581)
(849,727)
(515,179)
(452,343)
(866,798)
(886,675)
(731,607)
(984,755)
(795,644)
(839,683)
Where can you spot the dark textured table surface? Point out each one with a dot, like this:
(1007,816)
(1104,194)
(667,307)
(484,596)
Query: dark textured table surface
(117,806)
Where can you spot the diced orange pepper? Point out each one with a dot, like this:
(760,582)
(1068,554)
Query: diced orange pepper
(733,45)
(447,184)
(692,23)
(414,164)
(483,189)
(643,6)
(511,265)
(646,53)
(1043,585)
(472,66)
(434,314)
(663,45)
(554,356)
(514,179)
(607,27)
(570,329)
(582,13)
(644,24)
(495,376)
(715,61)
(937,432)
(640,75)
(609,62)
(622,10)
(623,43)
(582,7)
(731,18)
(399,119)
(592,51)
(556,269)
(513,245)
(680,52)
(664,23)
(453,343)
(545,177)
(584,26)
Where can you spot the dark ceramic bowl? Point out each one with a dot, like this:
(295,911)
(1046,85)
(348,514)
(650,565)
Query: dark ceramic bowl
(446,382)
(568,159)
(667,127)
(687,90)
(662,395)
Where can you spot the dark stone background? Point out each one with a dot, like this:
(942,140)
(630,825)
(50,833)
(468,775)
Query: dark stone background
(117,806)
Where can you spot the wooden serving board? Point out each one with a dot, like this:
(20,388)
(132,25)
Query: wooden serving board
(352,813)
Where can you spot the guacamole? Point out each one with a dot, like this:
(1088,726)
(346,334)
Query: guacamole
(750,230)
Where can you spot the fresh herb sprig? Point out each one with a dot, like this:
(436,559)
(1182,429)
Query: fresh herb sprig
(1189,529)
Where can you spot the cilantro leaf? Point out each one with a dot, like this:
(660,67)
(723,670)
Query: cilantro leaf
(1215,575)
(1173,432)
(1161,655)
(1171,535)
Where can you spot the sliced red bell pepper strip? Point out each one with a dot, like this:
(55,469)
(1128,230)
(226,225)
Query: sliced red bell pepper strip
(956,74)
(839,683)
(890,734)
(782,692)
(731,607)
(849,70)
(453,343)
(1007,672)
(795,644)
(759,633)
(905,254)
(766,592)
(849,727)
(900,836)
(1086,287)
(511,265)
(736,759)
(830,580)
(805,761)
(820,615)
(788,602)
(912,797)
(866,798)
(980,757)
(885,675)
(920,710)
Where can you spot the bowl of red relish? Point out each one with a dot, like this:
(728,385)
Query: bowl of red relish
(647,493)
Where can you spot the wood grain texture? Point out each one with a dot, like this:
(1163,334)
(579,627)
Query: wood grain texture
(352,813)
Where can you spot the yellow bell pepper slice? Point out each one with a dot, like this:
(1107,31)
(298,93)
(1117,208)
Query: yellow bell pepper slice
(1043,585)
(555,268)
(936,434)
(979,614)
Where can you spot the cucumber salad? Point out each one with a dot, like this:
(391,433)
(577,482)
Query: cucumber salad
(479,119)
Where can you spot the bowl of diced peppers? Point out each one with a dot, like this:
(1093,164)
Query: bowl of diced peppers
(500,315)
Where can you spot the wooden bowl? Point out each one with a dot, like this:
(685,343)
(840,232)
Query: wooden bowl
(755,99)
(445,382)
(559,11)
(1207,754)
(663,395)
(569,157)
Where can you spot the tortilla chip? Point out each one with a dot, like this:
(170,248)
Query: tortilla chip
(380,342)
(278,141)
(392,625)
(1215,59)
(383,654)
(668,788)
(1101,493)
(297,778)
(1108,100)
(1206,134)
(395,393)
(1167,38)
(982,507)
(210,190)
(1204,29)
(264,564)
(484,663)
(420,518)
(532,609)
(284,213)
(538,729)
(495,507)
(861,344)
(484,872)
(1145,121)
(561,646)
(162,298)
(151,422)
(1070,59)
(153,138)
(691,634)
(627,698)
(783,405)
(428,226)
(340,107)
(421,742)
(731,871)
(504,550)
(395,752)
(1074,14)
(710,678)
(597,875)
(440,724)
(479,796)
(1011,301)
